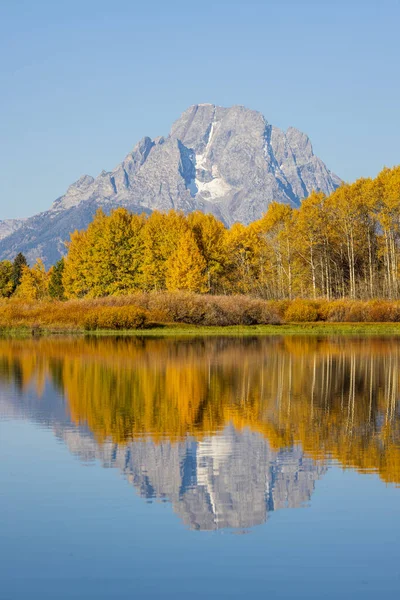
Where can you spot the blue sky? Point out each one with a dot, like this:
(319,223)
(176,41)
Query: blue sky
(82,81)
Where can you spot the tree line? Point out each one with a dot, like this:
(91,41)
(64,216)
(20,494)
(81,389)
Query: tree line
(345,245)
(18,280)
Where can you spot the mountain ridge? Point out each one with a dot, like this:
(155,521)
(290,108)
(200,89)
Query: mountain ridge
(227,161)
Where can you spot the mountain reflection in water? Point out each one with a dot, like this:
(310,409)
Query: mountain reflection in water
(226,429)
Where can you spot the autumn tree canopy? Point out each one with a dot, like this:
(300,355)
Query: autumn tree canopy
(346,245)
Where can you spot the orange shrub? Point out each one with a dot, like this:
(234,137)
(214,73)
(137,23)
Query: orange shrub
(301,311)
(279,307)
(358,311)
(198,309)
(143,309)
(115,317)
(382,311)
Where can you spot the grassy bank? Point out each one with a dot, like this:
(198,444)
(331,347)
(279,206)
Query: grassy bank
(175,330)
(191,314)
(249,330)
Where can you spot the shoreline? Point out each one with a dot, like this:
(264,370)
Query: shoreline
(179,329)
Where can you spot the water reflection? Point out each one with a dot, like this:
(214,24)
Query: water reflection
(226,429)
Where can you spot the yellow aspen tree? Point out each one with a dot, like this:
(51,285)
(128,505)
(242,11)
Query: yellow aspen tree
(26,289)
(242,246)
(388,189)
(34,282)
(160,236)
(86,265)
(277,229)
(371,202)
(6,282)
(210,237)
(120,251)
(309,242)
(42,278)
(96,268)
(186,267)
(75,268)
(349,211)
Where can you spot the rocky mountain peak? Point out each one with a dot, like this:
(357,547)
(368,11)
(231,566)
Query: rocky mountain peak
(74,193)
(300,143)
(227,161)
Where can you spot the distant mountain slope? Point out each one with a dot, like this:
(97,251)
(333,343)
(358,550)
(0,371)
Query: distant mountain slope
(227,161)
(8,226)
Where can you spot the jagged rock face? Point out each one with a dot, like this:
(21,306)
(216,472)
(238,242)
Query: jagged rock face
(8,226)
(227,161)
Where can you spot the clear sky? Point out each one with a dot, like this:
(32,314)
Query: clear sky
(81,81)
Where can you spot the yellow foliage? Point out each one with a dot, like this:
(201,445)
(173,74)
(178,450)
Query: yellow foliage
(186,267)
(301,311)
(345,245)
(292,390)
(161,235)
(115,317)
(34,282)
(188,307)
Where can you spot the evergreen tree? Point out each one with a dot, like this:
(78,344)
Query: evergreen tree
(56,286)
(18,265)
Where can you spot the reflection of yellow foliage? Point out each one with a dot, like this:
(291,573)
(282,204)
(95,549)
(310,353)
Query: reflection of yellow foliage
(337,397)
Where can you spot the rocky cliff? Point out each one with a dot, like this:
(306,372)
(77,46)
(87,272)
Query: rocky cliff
(227,161)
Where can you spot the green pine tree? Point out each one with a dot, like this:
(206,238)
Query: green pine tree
(19,263)
(56,286)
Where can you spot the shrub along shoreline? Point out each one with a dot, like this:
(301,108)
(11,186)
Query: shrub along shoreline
(180,312)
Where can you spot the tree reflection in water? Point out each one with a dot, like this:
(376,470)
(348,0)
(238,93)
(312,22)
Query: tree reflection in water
(227,429)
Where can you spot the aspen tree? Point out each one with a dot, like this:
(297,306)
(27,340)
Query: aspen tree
(308,238)
(34,282)
(6,281)
(160,235)
(186,267)
(210,237)
(277,229)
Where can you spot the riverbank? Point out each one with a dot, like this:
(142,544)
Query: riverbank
(317,329)
(195,314)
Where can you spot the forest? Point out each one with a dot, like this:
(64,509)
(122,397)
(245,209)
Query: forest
(335,258)
(346,245)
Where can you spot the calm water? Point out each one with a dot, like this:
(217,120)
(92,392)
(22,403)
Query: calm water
(204,468)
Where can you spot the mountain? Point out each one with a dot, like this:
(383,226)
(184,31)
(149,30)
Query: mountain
(8,226)
(227,161)
(232,479)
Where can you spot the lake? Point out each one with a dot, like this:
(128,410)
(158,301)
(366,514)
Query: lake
(200,467)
